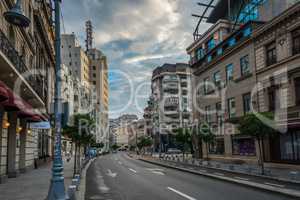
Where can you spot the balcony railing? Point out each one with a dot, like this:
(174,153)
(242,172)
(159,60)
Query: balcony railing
(13,56)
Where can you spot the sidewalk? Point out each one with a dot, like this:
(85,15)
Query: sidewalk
(33,185)
(290,188)
(277,173)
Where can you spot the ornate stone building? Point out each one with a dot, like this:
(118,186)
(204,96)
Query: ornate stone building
(27,88)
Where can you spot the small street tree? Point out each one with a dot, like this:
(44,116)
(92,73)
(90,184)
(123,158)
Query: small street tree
(80,134)
(251,125)
(183,139)
(207,136)
(143,142)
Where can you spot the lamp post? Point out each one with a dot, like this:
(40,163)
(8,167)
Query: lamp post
(57,187)
(16,17)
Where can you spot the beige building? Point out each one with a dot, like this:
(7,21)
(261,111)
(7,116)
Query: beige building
(27,88)
(250,66)
(99,80)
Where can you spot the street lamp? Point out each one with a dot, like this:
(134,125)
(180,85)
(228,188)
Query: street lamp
(16,17)
(57,187)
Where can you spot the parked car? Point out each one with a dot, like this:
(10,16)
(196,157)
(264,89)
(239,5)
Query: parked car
(174,151)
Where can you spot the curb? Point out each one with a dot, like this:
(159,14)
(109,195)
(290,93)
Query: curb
(283,191)
(80,194)
(254,175)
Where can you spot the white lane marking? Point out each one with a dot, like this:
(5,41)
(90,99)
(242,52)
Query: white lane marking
(219,174)
(181,194)
(155,169)
(276,185)
(111,174)
(158,173)
(132,170)
(202,171)
(243,179)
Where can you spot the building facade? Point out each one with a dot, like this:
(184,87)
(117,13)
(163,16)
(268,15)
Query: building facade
(27,85)
(233,76)
(172,102)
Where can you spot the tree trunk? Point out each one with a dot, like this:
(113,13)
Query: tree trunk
(261,161)
(206,146)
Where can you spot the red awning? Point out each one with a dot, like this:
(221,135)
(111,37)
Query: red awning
(3,92)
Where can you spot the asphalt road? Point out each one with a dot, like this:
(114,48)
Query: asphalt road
(119,177)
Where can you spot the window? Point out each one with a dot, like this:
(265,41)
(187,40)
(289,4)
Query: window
(272,98)
(219,113)
(94,67)
(231,107)
(94,75)
(206,85)
(247,103)
(297,90)
(94,82)
(271,54)
(229,73)
(217,78)
(210,44)
(243,146)
(217,146)
(200,54)
(70,63)
(245,67)
(207,114)
(296,41)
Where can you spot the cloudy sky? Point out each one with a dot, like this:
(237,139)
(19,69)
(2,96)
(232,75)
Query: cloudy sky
(136,36)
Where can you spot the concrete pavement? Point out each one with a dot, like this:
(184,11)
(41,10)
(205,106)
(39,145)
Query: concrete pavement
(33,185)
(118,176)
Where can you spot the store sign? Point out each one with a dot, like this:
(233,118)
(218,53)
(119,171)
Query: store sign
(40,125)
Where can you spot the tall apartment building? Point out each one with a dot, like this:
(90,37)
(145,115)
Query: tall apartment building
(99,80)
(242,49)
(27,88)
(76,60)
(171,93)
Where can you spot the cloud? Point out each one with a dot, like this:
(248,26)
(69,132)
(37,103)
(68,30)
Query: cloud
(136,35)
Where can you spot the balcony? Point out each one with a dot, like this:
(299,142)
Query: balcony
(170,87)
(172,102)
(13,71)
(171,113)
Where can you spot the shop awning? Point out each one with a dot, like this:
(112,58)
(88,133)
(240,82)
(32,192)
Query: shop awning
(3,92)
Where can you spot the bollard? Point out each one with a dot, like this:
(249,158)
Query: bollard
(71,192)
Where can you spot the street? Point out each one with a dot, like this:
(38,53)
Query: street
(117,176)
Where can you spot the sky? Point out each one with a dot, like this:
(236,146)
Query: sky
(136,36)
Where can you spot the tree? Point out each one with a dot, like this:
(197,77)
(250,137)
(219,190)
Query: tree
(183,138)
(207,136)
(143,142)
(80,134)
(115,147)
(251,125)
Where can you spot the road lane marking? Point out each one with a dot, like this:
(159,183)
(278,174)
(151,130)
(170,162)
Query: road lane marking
(111,174)
(158,173)
(155,169)
(243,179)
(202,171)
(132,170)
(276,185)
(181,194)
(219,174)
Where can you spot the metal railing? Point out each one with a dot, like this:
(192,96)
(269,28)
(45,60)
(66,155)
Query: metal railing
(13,56)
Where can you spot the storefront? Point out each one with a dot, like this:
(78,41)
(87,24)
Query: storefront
(285,148)
(243,146)
(217,147)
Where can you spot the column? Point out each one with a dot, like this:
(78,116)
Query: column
(23,136)
(3,144)
(12,143)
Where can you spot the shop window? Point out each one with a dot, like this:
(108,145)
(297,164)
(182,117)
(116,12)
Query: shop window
(231,107)
(297,90)
(247,103)
(271,54)
(243,146)
(245,66)
(296,41)
(217,146)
